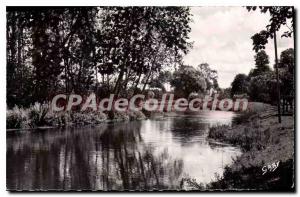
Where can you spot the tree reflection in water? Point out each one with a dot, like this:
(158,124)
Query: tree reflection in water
(138,155)
(111,158)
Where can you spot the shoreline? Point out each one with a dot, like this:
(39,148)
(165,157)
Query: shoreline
(267,161)
(123,117)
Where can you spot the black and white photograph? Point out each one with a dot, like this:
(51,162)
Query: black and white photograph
(150,98)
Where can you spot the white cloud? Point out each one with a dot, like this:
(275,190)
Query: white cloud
(222,38)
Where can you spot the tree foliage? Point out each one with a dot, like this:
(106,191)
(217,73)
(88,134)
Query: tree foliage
(187,80)
(279,16)
(260,84)
(210,75)
(262,88)
(82,49)
(287,74)
(261,64)
(240,84)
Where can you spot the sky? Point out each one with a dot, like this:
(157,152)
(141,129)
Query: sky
(222,38)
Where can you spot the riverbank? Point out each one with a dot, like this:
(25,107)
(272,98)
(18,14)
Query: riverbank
(267,162)
(39,116)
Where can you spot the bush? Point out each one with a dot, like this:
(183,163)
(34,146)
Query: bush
(98,117)
(136,115)
(40,115)
(58,118)
(119,116)
(125,116)
(250,178)
(81,118)
(263,88)
(244,117)
(13,119)
(17,118)
(37,114)
(69,118)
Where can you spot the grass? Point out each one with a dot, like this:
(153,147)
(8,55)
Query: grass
(16,118)
(251,178)
(39,115)
(244,117)
(263,142)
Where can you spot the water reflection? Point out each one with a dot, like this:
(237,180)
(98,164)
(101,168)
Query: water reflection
(150,154)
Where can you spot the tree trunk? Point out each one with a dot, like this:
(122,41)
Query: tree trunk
(137,83)
(147,80)
(277,78)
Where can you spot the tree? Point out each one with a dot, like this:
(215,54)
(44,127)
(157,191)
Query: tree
(18,71)
(262,64)
(262,61)
(287,67)
(78,49)
(262,88)
(239,85)
(159,81)
(210,75)
(287,60)
(225,93)
(79,55)
(187,80)
(279,17)
(53,42)
(46,49)
(138,41)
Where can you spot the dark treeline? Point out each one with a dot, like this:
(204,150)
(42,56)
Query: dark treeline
(260,83)
(106,50)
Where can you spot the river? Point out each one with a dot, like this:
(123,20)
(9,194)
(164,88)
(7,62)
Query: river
(138,155)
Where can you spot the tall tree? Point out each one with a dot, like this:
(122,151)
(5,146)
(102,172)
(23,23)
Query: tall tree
(287,60)
(287,74)
(74,49)
(210,75)
(262,64)
(139,40)
(187,80)
(80,58)
(239,85)
(279,16)
(19,80)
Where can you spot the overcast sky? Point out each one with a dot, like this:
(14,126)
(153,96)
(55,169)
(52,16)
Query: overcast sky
(222,38)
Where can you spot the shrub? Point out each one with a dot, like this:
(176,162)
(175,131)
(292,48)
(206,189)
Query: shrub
(16,118)
(262,88)
(120,116)
(244,117)
(88,117)
(81,118)
(58,118)
(37,114)
(98,117)
(13,119)
(136,115)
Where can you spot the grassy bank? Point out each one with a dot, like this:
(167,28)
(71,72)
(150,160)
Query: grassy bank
(265,143)
(38,115)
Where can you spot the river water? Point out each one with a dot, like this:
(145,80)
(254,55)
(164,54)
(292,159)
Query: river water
(138,155)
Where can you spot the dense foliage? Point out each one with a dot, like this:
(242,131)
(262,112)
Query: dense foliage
(82,49)
(260,83)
